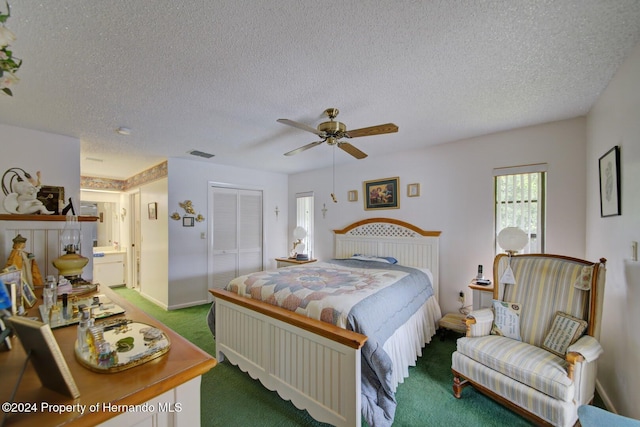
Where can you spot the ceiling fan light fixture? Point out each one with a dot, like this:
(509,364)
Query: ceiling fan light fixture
(332,131)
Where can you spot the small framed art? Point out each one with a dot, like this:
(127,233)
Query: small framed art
(51,197)
(153,210)
(27,295)
(352,196)
(381,194)
(609,167)
(413,190)
(187,221)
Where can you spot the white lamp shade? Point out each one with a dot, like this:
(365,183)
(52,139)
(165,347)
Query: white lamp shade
(299,233)
(512,239)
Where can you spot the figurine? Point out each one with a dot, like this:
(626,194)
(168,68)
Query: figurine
(25,262)
(22,193)
(188,207)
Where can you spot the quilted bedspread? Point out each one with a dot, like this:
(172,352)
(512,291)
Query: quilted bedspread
(322,291)
(372,298)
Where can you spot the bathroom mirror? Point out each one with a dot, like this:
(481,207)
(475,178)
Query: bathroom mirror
(107,229)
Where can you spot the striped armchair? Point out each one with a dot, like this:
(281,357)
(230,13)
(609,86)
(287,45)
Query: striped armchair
(551,371)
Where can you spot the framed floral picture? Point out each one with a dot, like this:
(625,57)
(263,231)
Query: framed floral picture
(381,194)
(609,167)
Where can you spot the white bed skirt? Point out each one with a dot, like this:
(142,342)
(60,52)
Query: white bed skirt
(405,345)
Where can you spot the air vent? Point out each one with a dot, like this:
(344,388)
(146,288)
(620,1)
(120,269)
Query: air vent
(201,154)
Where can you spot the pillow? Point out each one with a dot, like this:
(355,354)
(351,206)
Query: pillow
(565,330)
(506,319)
(387,259)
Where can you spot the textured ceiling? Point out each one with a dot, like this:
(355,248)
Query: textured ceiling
(215,75)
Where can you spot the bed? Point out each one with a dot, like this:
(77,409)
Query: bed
(318,365)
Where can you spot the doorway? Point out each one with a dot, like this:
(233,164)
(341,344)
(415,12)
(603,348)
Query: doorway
(135,238)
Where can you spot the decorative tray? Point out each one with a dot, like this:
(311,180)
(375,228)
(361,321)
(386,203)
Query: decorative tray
(128,344)
(82,288)
(100,305)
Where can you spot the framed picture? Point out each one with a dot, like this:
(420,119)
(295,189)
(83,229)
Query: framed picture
(352,196)
(46,356)
(381,194)
(609,167)
(13,285)
(27,295)
(51,197)
(187,221)
(153,210)
(413,190)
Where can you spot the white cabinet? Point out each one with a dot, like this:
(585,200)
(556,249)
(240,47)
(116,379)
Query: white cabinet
(109,268)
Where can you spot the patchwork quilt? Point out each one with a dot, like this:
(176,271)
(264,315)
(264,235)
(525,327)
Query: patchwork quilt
(372,298)
(322,291)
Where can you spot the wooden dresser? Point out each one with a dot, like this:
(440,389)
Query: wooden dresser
(169,385)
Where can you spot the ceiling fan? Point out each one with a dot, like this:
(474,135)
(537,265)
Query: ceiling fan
(333,131)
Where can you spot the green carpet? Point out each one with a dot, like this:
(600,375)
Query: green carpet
(231,398)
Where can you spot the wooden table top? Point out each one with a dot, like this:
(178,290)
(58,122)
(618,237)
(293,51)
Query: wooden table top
(183,362)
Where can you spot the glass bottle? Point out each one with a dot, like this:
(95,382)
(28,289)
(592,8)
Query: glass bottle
(83,328)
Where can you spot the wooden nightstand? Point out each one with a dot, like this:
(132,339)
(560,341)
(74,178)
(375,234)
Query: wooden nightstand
(482,295)
(288,262)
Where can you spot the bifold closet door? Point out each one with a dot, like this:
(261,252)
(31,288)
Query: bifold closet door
(236,246)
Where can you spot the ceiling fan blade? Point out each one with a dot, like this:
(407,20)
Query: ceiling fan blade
(352,150)
(303,148)
(372,130)
(301,126)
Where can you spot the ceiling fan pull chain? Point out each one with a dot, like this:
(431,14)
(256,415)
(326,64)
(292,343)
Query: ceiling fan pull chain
(333,194)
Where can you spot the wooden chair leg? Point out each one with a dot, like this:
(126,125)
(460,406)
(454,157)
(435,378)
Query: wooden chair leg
(458,385)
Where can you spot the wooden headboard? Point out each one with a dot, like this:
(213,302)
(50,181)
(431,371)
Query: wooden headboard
(410,245)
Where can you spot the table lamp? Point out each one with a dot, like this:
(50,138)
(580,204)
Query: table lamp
(299,233)
(511,240)
(71,263)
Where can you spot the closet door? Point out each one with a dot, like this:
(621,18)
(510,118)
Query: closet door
(249,231)
(236,244)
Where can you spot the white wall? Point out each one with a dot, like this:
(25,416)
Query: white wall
(615,120)
(57,157)
(188,260)
(457,195)
(154,250)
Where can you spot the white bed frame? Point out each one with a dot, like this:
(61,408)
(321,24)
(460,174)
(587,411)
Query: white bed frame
(314,364)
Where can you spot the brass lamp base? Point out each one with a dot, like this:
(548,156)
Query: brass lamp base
(70,265)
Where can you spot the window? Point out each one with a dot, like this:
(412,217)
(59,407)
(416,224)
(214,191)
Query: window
(304,219)
(520,202)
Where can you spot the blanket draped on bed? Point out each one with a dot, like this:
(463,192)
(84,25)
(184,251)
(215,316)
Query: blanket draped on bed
(371,298)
